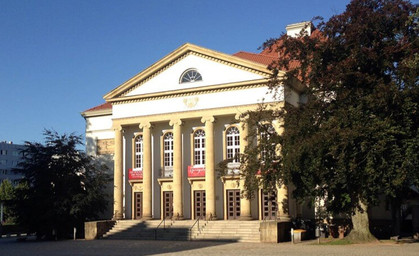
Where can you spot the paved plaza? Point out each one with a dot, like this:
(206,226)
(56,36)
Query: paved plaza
(10,247)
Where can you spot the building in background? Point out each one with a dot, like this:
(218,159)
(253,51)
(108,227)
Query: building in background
(10,156)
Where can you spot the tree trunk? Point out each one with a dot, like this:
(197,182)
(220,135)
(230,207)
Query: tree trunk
(361,228)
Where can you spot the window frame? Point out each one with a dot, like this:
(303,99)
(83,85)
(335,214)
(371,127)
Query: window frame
(235,147)
(182,76)
(200,149)
(138,154)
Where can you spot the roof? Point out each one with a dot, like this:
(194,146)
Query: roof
(256,57)
(102,109)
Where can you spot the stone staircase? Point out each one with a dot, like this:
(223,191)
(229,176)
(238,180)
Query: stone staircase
(218,230)
(238,231)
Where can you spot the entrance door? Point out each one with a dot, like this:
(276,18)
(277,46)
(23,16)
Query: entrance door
(138,205)
(233,204)
(199,204)
(167,204)
(269,205)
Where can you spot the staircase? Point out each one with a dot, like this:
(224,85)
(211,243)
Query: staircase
(218,230)
(238,231)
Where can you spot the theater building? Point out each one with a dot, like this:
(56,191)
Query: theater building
(164,130)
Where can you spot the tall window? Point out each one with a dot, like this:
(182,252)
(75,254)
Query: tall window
(267,147)
(199,147)
(168,150)
(233,144)
(139,152)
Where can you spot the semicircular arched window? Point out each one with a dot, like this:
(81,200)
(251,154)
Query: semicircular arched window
(190,76)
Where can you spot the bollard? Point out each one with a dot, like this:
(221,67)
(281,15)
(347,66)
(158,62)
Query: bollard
(74,233)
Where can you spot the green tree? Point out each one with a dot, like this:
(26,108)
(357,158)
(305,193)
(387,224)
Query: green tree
(6,195)
(355,135)
(61,189)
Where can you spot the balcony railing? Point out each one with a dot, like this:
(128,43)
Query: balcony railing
(194,171)
(135,174)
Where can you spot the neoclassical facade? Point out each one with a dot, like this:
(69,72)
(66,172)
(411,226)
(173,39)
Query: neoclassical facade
(165,130)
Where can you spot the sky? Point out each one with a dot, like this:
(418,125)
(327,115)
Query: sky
(59,58)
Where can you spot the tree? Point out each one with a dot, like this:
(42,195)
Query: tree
(61,189)
(355,135)
(6,195)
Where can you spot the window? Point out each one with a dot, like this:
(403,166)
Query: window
(3,152)
(3,162)
(190,76)
(168,151)
(267,146)
(233,144)
(138,152)
(199,147)
(15,153)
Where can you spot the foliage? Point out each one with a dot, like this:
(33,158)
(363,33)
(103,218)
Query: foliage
(6,195)
(62,186)
(356,135)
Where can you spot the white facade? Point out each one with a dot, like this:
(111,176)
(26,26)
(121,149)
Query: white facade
(154,101)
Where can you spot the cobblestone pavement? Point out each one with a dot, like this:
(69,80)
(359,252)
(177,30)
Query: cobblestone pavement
(10,247)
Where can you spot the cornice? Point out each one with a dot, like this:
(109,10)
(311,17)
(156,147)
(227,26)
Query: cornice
(191,91)
(177,55)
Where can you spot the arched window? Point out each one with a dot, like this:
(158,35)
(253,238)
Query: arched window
(168,151)
(233,144)
(199,147)
(138,152)
(267,147)
(190,76)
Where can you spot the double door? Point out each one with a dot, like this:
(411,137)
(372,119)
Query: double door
(199,204)
(269,205)
(167,204)
(233,204)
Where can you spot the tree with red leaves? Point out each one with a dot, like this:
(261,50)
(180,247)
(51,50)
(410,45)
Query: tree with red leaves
(354,135)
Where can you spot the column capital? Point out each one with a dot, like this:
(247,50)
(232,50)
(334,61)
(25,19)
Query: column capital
(241,116)
(147,125)
(175,121)
(205,119)
(118,128)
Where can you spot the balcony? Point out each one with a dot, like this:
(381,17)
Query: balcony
(196,171)
(135,174)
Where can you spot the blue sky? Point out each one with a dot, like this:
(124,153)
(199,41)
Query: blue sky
(58,58)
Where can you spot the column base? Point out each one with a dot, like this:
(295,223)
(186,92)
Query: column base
(178,217)
(284,218)
(117,216)
(248,217)
(149,217)
(211,217)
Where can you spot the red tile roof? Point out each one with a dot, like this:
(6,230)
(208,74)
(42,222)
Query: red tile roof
(256,57)
(103,106)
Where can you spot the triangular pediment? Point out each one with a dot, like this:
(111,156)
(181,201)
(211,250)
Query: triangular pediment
(217,69)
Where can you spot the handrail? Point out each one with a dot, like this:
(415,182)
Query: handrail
(164,227)
(190,229)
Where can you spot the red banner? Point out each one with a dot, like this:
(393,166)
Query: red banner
(196,171)
(135,174)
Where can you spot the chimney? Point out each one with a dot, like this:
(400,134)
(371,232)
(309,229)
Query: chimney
(294,29)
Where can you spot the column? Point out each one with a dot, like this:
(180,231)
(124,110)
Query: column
(209,167)
(147,177)
(177,169)
(283,203)
(118,173)
(245,213)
